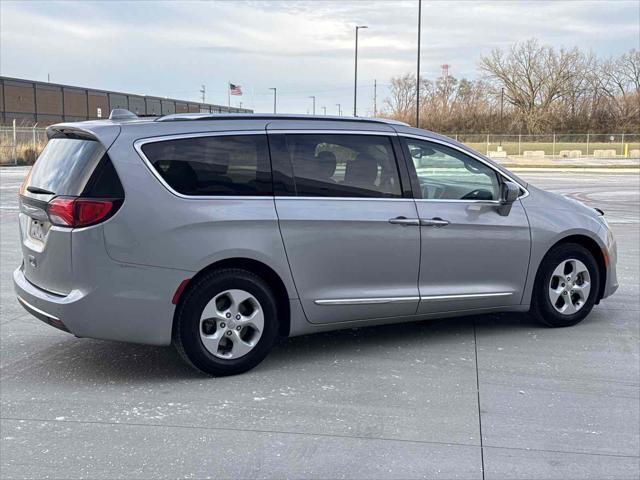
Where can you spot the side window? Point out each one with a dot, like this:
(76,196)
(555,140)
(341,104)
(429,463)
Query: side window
(217,165)
(445,173)
(343,165)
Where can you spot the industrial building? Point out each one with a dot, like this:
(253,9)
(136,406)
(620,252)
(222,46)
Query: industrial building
(29,102)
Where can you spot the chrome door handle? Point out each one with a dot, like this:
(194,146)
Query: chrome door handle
(434,222)
(405,222)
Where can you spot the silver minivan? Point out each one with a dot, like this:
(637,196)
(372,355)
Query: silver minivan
(221,233)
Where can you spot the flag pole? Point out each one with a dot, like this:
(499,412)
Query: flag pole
(229,94)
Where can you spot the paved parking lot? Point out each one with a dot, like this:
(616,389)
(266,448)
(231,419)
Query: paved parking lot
(492,396)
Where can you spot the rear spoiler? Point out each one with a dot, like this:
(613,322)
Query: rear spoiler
(103,132)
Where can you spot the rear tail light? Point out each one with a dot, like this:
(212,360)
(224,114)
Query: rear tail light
(80,212)
(61,211)
(92,211)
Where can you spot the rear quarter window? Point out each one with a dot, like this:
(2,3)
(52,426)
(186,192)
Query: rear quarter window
(213,166)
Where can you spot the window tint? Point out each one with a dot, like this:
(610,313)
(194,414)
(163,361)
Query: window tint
(218,165)
(65,166)
(343,165)
(105,182)
(448,174)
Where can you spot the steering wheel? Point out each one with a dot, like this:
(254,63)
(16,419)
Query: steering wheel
(478,194)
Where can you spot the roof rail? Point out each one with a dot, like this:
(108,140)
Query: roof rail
(270,116)
(122,114)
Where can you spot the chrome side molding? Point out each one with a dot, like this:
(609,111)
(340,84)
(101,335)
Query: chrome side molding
(366,301)
(428,298)
(465,295)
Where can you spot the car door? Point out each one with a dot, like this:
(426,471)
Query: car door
(472,256)
(350,230)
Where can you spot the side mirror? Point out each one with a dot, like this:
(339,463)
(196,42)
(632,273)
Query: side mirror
(509,194)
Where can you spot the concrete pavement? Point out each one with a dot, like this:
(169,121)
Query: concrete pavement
(493,396)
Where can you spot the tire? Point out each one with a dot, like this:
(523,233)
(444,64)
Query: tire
(234,340)
(548,283)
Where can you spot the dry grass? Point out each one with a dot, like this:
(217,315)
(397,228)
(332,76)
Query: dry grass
(22,154)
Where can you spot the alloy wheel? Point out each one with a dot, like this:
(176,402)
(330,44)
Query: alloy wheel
(569,286)
(231,324)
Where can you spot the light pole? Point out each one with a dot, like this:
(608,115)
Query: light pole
(313,97)
(501,109)
(418,67)
(324,110)
(339,109)
(275,93)
(355,76)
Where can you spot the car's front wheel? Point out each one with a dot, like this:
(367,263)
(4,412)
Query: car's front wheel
(566,286)
(227,322)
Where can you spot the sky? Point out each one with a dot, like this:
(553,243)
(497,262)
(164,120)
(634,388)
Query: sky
(302,48)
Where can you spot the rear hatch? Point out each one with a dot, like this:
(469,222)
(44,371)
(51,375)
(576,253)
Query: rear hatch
(72,184)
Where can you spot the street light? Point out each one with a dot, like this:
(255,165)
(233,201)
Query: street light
(339,109)
(275,92)
(355,77)
(314,103)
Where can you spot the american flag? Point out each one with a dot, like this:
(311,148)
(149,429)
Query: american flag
(235,89)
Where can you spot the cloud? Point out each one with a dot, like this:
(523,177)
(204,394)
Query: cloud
(303,48)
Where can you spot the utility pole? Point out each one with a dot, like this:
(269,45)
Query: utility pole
(324,110)
(375,97)
(355,76)
(275,93)
(418,68)
(313,97)
(339,109)
(202,91)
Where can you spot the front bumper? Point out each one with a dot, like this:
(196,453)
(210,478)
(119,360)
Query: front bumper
(611,282)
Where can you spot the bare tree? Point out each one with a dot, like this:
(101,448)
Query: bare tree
(402,103)
(534,77)
(545,90)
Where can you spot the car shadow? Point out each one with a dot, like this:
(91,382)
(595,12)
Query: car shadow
(76,361)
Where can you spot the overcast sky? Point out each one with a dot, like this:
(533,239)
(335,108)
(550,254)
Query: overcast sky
(302,48)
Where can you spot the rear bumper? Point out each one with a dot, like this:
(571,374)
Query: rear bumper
(131,304)
(44,316)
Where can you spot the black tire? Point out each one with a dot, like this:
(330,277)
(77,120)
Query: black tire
(186,330)
(542,308)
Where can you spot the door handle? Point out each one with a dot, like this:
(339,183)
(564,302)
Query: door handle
(434,222)
(405,222)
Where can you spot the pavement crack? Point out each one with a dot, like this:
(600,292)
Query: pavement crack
(475,349)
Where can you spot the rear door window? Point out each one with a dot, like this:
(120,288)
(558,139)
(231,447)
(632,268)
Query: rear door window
(64,167)
(212,166)
(342,165)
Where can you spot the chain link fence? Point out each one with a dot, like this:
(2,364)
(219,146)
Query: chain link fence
(554,146)
(22,145)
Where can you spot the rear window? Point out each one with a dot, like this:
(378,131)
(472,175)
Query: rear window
(218,165)
(65,166)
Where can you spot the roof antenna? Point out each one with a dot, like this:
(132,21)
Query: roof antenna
(122,114)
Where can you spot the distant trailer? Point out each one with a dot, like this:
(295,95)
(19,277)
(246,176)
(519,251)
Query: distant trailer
(29,102)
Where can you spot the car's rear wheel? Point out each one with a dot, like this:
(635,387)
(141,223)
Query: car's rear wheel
(227,322)
(566,286)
